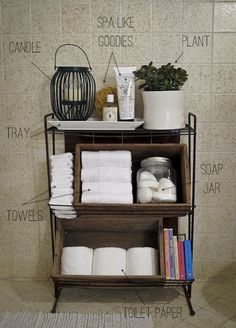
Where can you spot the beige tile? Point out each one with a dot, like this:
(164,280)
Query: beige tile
(200,244)
(20,112)
(166,47)
(221,193)
(167,16)
(73,56)
(45,16)
(105,17)
(18,79)
(199,79)
(225,17)
(15,17)
(197,17)
(200,105)
(16,49)
(202,161)
(140,16)
(102,48)
(224,78)
(205,319)
(219,247)
(203,133)
(222,166)
(197,48)
(70,11)
(221,220)
(201,220)
(140,50)
(2,110)
(226,102)
(2,80)
(48,44)
(223,41)
(201,198)
(219,144)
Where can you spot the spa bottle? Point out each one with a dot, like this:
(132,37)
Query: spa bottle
(110,110)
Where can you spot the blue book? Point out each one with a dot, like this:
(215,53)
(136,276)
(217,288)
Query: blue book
(172,256)
(188,260)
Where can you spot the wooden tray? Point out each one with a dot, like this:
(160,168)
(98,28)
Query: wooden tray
(179,157)
(111,231)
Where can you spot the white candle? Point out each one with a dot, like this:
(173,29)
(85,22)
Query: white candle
(73,93)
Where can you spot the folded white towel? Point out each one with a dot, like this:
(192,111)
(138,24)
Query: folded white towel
(107,187)
(62,164)
(64,156)
(109,261)
(106,158)
(65,212)
(103,198)
(61,200)
(62,207)
(62,191)
(61,171)
(62,177)
(106,174)
(61,184)
(66,216)
(76,260)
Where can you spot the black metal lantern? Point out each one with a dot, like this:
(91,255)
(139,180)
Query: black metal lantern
(73,91)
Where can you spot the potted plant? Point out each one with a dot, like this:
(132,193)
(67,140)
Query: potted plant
(162,96)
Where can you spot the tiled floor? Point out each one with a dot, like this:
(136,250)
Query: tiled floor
(214,303)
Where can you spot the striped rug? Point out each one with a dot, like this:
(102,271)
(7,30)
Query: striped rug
(71,320)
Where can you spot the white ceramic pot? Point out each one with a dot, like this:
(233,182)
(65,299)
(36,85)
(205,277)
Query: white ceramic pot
(163,110)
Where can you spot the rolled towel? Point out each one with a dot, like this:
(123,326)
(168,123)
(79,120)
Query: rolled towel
(106,174)
(61,171)
(107,187)
(105,198)
(142,261)
(64,156)
(61,200)
(106,158)
(62,177)
(62,191)
(61,166)
(76,260)
(109,261)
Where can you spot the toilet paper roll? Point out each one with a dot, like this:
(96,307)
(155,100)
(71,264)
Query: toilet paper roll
(142,261)
(76,260)
(109,261)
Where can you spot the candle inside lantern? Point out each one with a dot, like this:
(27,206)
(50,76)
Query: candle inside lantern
(73,93)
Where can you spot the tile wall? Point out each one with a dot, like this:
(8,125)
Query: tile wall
(157,30)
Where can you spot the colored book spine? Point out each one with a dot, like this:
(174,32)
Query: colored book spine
(167,253)
(188,260)
(180,245)
(176,258)
(172,257)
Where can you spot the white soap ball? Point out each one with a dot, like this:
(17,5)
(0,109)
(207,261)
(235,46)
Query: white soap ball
(144,195)
(166,185)
(148,184)
(161,196)
(145,175)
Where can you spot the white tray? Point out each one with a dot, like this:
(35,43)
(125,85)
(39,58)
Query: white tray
(96,125)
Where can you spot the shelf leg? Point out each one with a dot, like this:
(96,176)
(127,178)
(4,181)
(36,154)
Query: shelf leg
(187,296)
(57,295)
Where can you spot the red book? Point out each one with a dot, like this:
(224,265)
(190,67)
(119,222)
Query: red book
(180,245)
(167,253)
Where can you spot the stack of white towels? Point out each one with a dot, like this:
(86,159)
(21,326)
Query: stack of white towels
(106,177)
(115,261)
(62,191)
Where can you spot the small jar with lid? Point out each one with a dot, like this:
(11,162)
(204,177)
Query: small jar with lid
(156,181)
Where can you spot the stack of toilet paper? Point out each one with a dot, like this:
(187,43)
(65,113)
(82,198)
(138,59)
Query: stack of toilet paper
(152,191)
(106,177)
(106,261)
(62,191)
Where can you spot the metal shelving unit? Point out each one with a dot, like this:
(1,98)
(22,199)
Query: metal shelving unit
(71,137)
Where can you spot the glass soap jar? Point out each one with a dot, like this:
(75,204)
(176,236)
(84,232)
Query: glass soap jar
(156,181)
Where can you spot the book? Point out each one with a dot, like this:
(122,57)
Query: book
(167,253)
(171,251)
(176,258)
(188,260)
(180,245)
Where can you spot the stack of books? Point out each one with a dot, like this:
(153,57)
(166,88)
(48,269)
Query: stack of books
(178,257)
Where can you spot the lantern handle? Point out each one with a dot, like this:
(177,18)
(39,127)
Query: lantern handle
(74,45)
